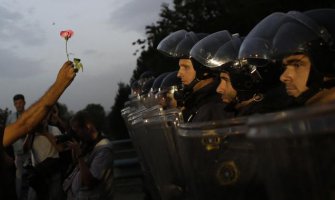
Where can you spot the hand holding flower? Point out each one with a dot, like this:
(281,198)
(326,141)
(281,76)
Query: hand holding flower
(67,34)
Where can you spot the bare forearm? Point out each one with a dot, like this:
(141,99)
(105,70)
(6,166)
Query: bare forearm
(38,110)
(35,113)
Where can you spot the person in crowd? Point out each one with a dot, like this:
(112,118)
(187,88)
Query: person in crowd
(55,120)
(45,178)
(30,119)
(308,55)
(60,129)
(199,98)
(20,156)
(92,177)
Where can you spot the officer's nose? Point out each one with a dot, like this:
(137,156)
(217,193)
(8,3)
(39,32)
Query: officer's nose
(220,89)
(179,74)
(287,75)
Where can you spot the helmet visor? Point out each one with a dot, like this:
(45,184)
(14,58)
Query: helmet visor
(297,34)
(169,44)
(258,42)
(206,49)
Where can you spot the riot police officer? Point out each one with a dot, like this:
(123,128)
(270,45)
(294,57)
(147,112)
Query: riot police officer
(200,100)
(216,52)
(306,44)
(248,83)
(169,93)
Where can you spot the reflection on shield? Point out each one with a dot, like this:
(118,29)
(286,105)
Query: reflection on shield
(153,131)
(163,157)
(218,161)
(297,152)
(137,133)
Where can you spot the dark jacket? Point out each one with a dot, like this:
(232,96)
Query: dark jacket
(204,105)
(274,100)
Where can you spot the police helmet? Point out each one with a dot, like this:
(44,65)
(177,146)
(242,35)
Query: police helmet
(216,50)
(310,33)
(324,62)
(145,76)
(256,69)
(253,76)
(146,98)
(219,52)
(178,44)
(170,80)
(171,85)
(135,88)
(298,33)
(157,83)
(147,86)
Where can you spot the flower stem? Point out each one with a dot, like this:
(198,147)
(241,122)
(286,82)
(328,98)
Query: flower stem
(67,54)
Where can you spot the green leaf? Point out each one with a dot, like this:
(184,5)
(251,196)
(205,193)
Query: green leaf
(77,64)
(76,60)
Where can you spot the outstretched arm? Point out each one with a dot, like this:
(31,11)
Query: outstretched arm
(36,112)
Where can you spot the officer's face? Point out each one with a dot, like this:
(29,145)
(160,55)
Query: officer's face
(226,89)
(186,71)
(295,76)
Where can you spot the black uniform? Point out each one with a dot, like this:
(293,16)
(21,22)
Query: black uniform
(204,105)
(274,100)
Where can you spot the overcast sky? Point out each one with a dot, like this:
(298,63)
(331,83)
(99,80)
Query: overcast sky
(32,52)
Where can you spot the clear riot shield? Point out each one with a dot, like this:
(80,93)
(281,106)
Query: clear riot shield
(218,160)
(297,151)
(138,132)
(164,161)
(139,138)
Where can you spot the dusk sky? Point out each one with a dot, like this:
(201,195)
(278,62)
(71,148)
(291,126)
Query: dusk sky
(32,51)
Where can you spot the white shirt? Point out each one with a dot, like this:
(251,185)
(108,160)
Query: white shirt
(54,130)
(42,148)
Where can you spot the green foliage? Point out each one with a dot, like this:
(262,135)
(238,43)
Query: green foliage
(3,117)
(117,127)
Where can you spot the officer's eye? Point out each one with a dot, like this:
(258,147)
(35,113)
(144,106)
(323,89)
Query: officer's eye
(297,64)
(225,79)
(293,64)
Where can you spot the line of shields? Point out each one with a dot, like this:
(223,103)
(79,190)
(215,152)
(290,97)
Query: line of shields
(276,156)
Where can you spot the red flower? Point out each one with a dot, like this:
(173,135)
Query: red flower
(67,34)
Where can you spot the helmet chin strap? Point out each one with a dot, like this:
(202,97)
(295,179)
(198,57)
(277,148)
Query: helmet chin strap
(189,87)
